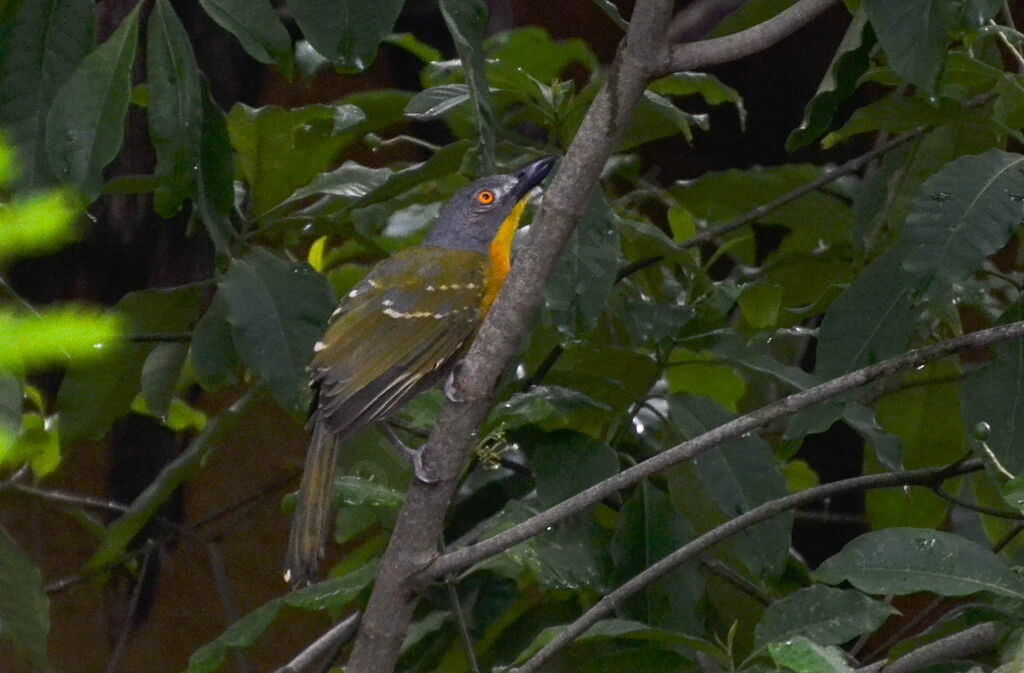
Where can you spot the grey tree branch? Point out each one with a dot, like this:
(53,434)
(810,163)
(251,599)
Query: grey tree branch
(463,558)
(419,524)
(704,53)
(337,634)
(975,640)
(768,510)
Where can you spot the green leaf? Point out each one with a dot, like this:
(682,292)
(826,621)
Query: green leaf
(467,22)
(54,336)
(215,184)
(825,615)
(85,125)
(729,480)
(913,35)
(566,462)
(840,81)
(38,224)
(259,30)
(907,560)
(94,393)
(871,320)
(41,47)
(277,311)
(697,373)
(281,150)
(575,296)
(548,407)
(175,108)
(760,305)
(705,85)
(532,51)
(346,32)
(434,102)
(160,374)
(331,595)
(804,656)
(649,528)
(964,213)
(993,395)
(924,415)
(657,117)
(214,358)
(24,606)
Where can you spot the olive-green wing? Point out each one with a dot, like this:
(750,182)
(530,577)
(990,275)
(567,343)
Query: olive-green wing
(396,333)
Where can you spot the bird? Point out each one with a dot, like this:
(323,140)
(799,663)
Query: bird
(399,331)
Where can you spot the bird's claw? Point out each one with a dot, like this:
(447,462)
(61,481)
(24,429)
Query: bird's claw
(451,390)
(415,457)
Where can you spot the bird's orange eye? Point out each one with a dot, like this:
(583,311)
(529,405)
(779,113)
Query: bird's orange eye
(486,197)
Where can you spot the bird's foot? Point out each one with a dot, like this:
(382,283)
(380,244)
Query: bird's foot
(415,457)
(451,390)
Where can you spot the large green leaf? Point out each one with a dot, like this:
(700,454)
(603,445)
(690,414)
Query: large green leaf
(96,392)
(175,108)
(729,480)
(994,395)
(85,125)
(840,81)
(281,150)
(330,595)
(825,615)
(24,606)
(964,213)
(215,184)
(871,320)
(346,32)
(257,27)
(575,296)
(41,47)
(913,35)
(277,311)
(566,462)
(467,21)
(649,528)
(907,560)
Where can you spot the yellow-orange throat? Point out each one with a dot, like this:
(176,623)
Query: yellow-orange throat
(500,248)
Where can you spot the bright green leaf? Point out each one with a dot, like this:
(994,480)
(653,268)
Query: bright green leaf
(36,225)
(760,305)
(804,656)
(697,373)
(53,336)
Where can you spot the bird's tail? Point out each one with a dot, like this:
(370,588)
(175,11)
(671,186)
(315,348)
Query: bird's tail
(311,520)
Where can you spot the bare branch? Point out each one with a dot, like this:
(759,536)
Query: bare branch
(763,512)
(969,642)
(643,52)
(695,55)
(466,557)
(336,636)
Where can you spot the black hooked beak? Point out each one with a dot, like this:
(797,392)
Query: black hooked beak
(530,175)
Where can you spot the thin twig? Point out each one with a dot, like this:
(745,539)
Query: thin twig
(754,40)
(227,601)
(980,509)
(730,575)
(332,640)
(133,605)
(738,524)
(65,498)
(698,18)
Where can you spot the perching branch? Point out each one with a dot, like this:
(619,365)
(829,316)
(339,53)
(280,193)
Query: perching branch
(969,642)
(463,558)
(704,53)
(763,512)
(420,522)
(336,636)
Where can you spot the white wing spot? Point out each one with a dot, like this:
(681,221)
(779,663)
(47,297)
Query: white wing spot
(374,283)
(319,346)
(387,302)
(392,313)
